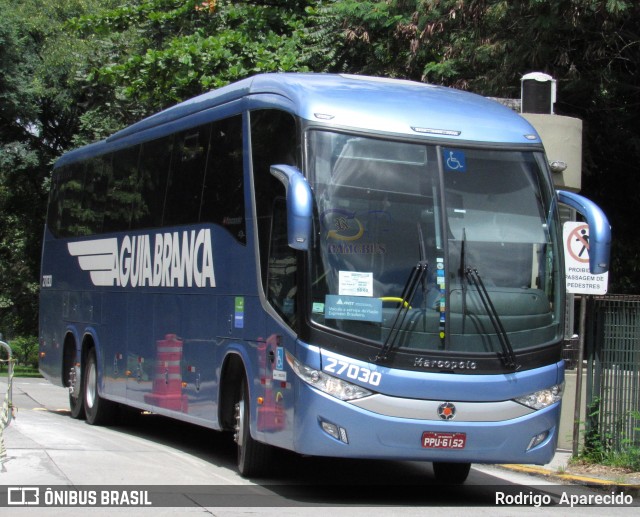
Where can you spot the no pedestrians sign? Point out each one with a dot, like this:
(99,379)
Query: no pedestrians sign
(579,280)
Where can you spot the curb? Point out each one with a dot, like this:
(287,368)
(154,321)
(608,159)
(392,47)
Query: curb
(569,478)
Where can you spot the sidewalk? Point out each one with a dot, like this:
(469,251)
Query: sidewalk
(560,470)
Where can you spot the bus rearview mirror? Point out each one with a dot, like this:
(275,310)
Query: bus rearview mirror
(599,229)
(299,205)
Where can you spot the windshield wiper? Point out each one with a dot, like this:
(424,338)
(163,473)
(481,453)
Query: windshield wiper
(409,291)
(508,355)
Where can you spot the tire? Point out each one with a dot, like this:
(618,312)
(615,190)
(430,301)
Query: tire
(98,411)
(451,473)
(253,457)
(76,392)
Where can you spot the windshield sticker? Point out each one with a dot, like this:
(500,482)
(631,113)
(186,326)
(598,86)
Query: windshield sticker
(355,308)
(354,283)
(317,308)
(454,160)
(342,225)
(442,287)
(345,231)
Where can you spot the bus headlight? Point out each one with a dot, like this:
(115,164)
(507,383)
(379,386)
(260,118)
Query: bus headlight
(326,383)
(543,398)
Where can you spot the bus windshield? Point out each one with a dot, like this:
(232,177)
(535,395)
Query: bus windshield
(424,247)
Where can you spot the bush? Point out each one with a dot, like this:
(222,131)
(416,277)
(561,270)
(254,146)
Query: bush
(599,447)
(25,351)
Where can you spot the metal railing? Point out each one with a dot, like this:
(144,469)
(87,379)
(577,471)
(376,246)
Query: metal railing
(7,406)
(613,369)
(6,409)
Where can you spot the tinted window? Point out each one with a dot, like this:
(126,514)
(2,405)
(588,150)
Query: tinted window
(155,161)
(274,141)
(223,193)
(54,211)
(95,190)
(71,181)
(190,177)
(121,189)
(188,162)
(282,277)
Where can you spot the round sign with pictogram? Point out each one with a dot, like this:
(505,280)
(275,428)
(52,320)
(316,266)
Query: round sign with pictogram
(577,243)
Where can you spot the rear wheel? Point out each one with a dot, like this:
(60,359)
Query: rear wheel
(451,473)
(98,410)
(253,456)
(76,395)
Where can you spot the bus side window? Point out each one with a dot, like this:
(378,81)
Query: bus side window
(223,191)
(54,214)
(95,191)
(273,141)
(155,161)
(282,269)
(122,175)
(184,188)
(71,188)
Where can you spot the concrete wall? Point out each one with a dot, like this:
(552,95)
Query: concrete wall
(562,140)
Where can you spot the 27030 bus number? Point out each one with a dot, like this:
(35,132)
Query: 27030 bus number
(353,371)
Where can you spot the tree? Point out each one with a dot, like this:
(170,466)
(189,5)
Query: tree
(39,115)
(75,71)
(161,52)
(591,47)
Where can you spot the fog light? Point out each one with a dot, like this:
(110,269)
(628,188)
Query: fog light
(538,439)
(339,433)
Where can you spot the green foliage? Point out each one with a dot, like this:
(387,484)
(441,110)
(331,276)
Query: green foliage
(25,351)
(37,113)
(165,51)
(599,446)
(591,47)
(75,71)
(360,37)
(21,371)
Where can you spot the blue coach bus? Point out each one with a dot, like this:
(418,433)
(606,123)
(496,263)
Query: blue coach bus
(334,265)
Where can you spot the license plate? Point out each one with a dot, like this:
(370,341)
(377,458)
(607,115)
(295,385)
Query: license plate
(435,440)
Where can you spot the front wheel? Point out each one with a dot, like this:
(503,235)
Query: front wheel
(451,473)
(98,410)
(253,456)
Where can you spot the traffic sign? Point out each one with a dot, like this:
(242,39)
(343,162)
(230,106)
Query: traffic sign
(579,279)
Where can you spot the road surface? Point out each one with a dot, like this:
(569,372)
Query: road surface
(183,466)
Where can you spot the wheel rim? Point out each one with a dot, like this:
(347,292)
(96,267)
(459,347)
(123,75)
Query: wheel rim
(74,385)
(240,423)
(91,385)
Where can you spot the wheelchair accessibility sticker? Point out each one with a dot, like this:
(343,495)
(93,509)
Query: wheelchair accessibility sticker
(454,160)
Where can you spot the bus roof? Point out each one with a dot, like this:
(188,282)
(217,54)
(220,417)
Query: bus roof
(395,106)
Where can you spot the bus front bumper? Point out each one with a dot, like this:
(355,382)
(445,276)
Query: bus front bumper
(330,427)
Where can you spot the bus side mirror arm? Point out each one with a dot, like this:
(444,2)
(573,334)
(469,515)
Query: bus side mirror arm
(599,229)
(299,205)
